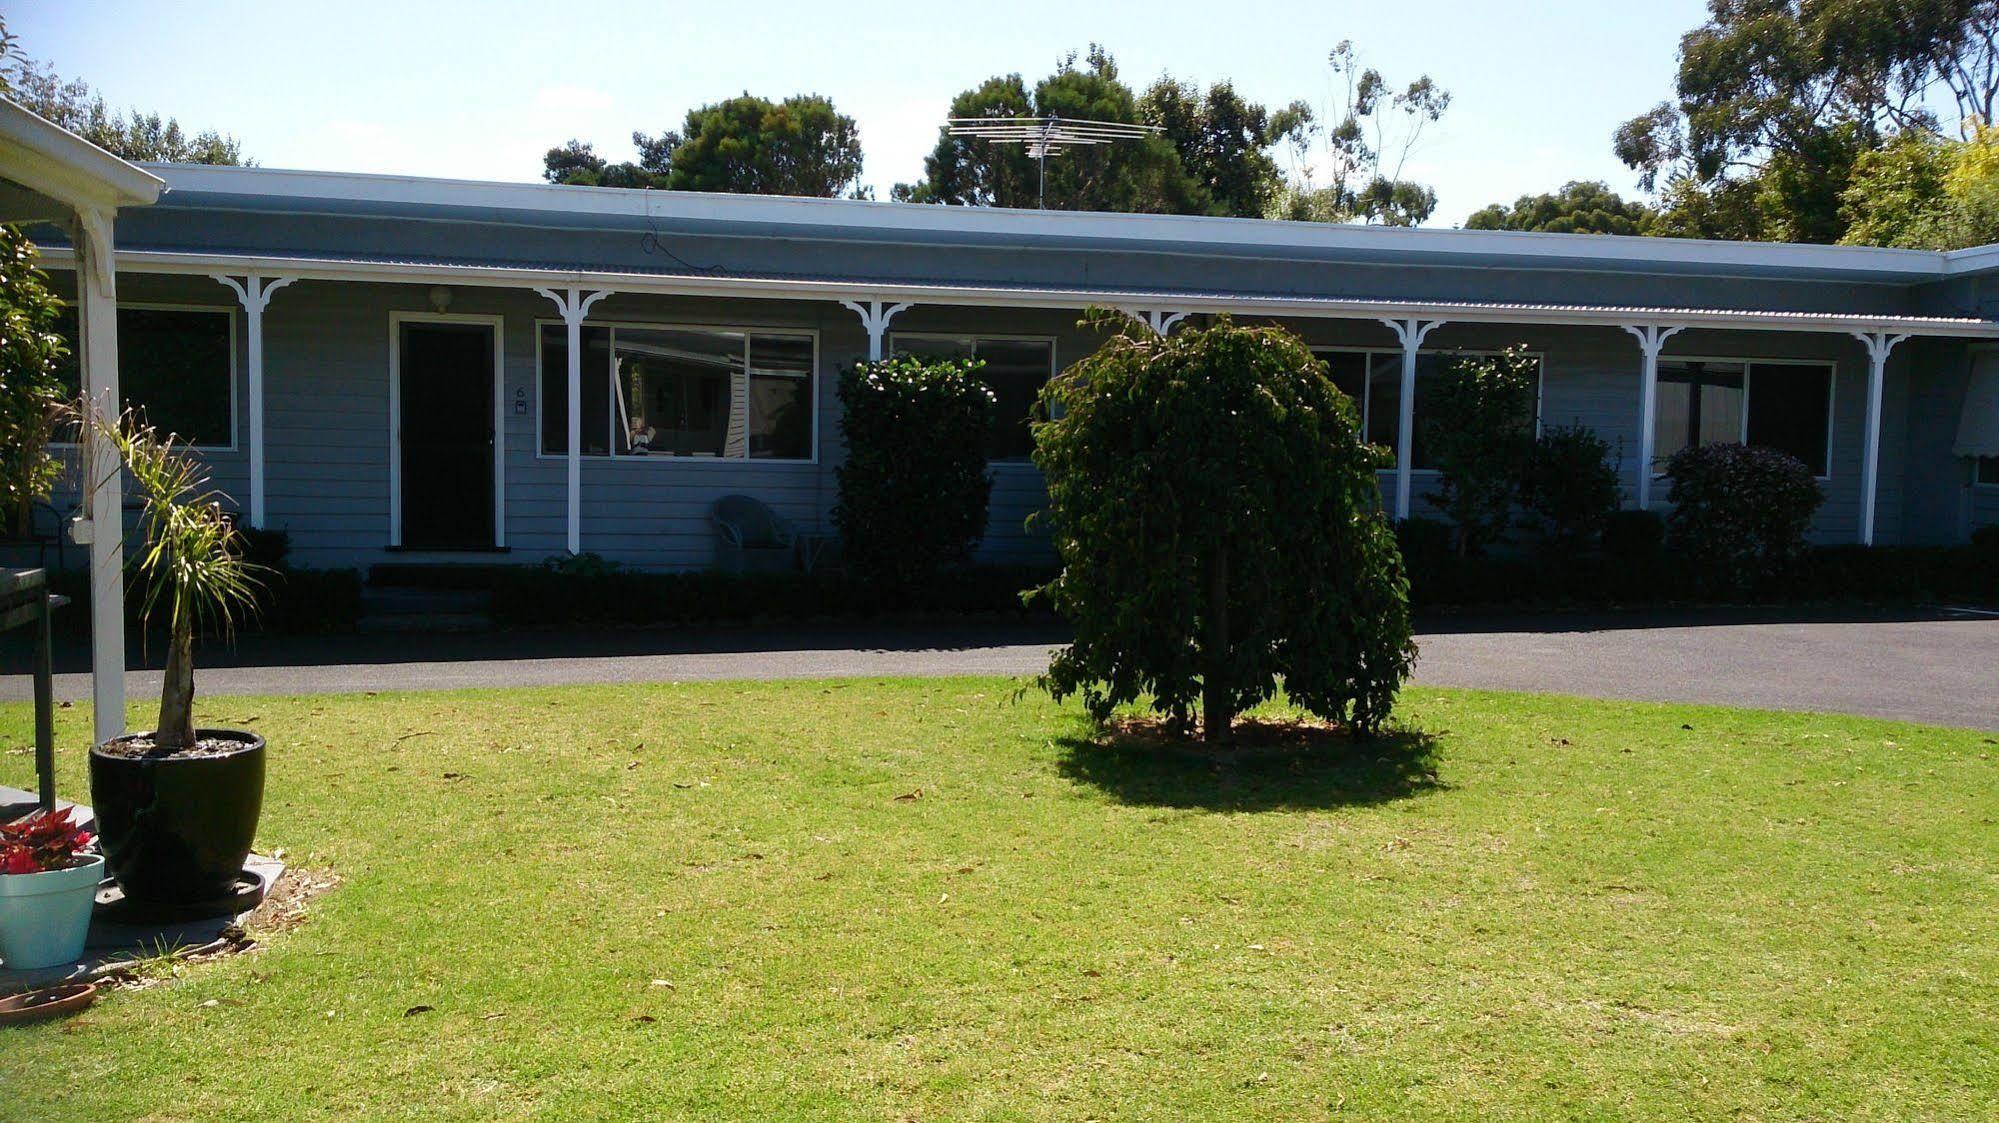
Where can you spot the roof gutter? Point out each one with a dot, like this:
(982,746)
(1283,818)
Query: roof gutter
(766,288)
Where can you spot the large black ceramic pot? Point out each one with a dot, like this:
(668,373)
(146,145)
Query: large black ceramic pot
(176,829)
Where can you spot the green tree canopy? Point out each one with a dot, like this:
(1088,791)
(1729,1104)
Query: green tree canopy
(1580,207)
(1137,175)
(139,137)
(746,145)
(1214,505)
(1925,192)
(1786,95)
(1224,142)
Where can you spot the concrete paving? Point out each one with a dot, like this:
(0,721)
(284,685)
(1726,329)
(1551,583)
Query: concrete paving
(1940,667)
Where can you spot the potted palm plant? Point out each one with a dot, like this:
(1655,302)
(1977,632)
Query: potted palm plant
(177,806)
(47,887)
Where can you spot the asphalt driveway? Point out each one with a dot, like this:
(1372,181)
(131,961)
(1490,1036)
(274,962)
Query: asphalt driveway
(1939,667)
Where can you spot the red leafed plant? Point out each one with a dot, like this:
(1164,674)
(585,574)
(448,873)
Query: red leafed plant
(41,843)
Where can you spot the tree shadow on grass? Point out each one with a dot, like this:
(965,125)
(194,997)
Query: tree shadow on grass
(1310,769)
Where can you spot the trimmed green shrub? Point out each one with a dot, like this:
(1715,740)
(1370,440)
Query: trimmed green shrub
(557,597)
(1568,487)
(31,388)
(1479,429)
(1215,508)
(1740,515)
(300,601)
(914,487)
(292,601)
(1631,537)
(1986,539)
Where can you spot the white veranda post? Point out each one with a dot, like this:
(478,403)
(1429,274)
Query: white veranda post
(254,293)
(1879,345)
(574,306)
(101,527)
(874,320)
(1410,333)
(1651,340)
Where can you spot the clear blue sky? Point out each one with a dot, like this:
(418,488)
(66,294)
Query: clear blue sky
(433,87)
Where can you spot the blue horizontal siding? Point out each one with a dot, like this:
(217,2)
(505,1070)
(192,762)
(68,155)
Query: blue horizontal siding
(327,392)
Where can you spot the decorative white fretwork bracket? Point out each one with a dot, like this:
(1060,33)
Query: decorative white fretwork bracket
(1160,320)
(875,320)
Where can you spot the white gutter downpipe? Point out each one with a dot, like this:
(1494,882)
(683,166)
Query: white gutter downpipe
(1411,333)
(574,306)
(1879,345)
(1651,340)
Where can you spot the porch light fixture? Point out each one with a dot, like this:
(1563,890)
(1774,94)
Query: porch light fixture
(1048,136)
(440,299)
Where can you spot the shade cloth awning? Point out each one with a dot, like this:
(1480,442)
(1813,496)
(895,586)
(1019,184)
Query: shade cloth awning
(1978,427)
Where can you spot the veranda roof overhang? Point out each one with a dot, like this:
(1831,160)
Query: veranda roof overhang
(774,287)
(49,174)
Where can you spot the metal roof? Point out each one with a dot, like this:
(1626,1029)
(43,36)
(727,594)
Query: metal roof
(944,291)
(307,192)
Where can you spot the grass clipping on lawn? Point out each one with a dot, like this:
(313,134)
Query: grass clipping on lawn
(927,899)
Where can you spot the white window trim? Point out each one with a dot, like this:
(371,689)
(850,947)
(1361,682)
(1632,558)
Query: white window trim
(1749,375)
(1540,382)
(666,457)
(498,324)
(235,369)
(1012,463)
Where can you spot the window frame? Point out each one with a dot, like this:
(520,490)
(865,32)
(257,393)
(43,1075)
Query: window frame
(745,330)
(235,444)
(1367,398)
(1978,479)
(1749,366)
(1054,365)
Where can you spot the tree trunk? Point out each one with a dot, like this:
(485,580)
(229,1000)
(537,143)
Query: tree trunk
(1217,705)
(176,729)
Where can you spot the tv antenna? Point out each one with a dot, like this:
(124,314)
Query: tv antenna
(1048,136)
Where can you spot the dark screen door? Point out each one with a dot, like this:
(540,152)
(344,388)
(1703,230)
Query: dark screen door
(446,372)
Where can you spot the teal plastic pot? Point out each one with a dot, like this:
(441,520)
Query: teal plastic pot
(45,917)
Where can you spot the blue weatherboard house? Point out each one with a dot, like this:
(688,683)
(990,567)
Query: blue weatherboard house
(416,368)
(393,368)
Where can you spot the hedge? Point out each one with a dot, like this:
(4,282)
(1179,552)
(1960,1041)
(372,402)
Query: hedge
(294,602)
(1638,569)
(548,597)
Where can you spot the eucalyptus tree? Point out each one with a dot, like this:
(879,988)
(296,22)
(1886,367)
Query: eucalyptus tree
(1776,100)
(1352,166)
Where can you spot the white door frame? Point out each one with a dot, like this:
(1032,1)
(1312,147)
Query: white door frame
(498,324)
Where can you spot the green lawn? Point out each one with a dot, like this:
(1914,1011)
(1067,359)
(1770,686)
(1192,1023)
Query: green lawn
(712,901)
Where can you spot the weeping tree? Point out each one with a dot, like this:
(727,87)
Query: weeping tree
(1214,505)
(195,577)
